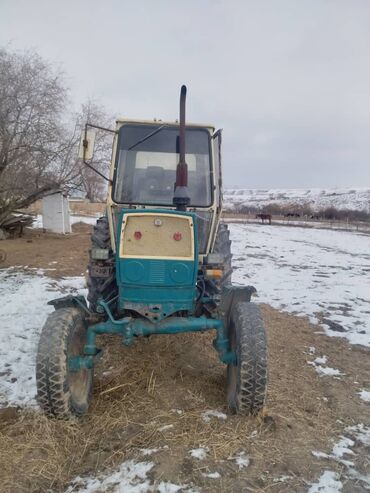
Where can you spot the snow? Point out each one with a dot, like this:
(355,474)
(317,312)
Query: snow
(37,222)
(165,427)
(316,198)
(320,360)
(165,487)
(151,451)
(328,483)
(23,311)
(365,395)
(361,433)
(241,459)
(324,370)
(340,449)
(130,477)
(212,475)
(206,416)
(199,453)
(358,434)
(321,274)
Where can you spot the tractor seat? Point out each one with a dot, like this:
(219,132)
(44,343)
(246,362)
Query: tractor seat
(154,186)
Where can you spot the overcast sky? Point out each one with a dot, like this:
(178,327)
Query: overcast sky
(288,81)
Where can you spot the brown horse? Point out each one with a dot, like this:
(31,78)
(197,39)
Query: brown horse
(264,217)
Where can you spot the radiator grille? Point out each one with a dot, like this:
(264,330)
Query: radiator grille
(157,272)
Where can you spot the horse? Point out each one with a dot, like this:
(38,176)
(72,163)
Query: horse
(264,217)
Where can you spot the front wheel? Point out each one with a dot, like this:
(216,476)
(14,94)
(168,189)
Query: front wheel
(60,392)
(247,379)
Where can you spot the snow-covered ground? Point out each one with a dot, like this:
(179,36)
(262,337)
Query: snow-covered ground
(130,477)
(316,198)
(23,310)
(322,274)
(37,222)
(342,452)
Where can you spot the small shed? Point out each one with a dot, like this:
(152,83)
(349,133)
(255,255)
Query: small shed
(55,213)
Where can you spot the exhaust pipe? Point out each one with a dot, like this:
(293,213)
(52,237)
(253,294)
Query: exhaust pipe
(181,197)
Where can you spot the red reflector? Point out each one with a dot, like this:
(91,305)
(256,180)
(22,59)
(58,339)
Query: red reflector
(177,236)
(137,235)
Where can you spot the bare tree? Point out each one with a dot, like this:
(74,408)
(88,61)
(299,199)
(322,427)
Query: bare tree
(93,185)
(32,99)
(38,145)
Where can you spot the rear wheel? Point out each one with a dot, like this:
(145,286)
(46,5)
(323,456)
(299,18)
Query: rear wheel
(60,392)
(101,281)
(247,380)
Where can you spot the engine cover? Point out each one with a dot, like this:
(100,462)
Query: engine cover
(157,262)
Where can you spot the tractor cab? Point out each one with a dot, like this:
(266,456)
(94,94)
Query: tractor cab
(145,166)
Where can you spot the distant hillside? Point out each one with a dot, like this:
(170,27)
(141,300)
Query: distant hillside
(316,198)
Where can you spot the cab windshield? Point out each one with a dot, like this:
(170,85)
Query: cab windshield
(147,157)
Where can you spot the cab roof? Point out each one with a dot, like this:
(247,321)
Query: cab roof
(121,121)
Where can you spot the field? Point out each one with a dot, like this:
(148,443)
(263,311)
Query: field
(159,422)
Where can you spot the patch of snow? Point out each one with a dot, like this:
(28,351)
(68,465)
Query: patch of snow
(319,274)
(165,487)
(37,222)
(212,475)
(365,395)
(327,371)
(340,449)
(199,453)
(177,411)
(328,483)
(320,361)
(324,370)
(312,350)
(151,451)
(73,284)
(358,433)
(23,312)
(131,477)
(215,414)
(165,427)
(242,460)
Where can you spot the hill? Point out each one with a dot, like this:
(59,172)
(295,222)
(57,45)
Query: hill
(316,198)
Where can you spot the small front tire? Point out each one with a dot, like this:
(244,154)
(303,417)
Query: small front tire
(60,392)
(247,379)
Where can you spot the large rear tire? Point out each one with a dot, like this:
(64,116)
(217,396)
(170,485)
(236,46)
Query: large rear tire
(247,380)
(101,282)
(60,392)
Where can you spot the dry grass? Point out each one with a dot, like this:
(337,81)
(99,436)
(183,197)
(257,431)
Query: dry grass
(140,393)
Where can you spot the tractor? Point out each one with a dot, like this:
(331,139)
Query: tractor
(160,263)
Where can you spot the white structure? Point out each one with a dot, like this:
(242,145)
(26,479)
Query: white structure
(55,213)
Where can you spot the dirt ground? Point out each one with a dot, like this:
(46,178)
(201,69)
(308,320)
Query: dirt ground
(172,380)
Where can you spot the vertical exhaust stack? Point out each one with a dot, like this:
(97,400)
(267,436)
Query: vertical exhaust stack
(181,197)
